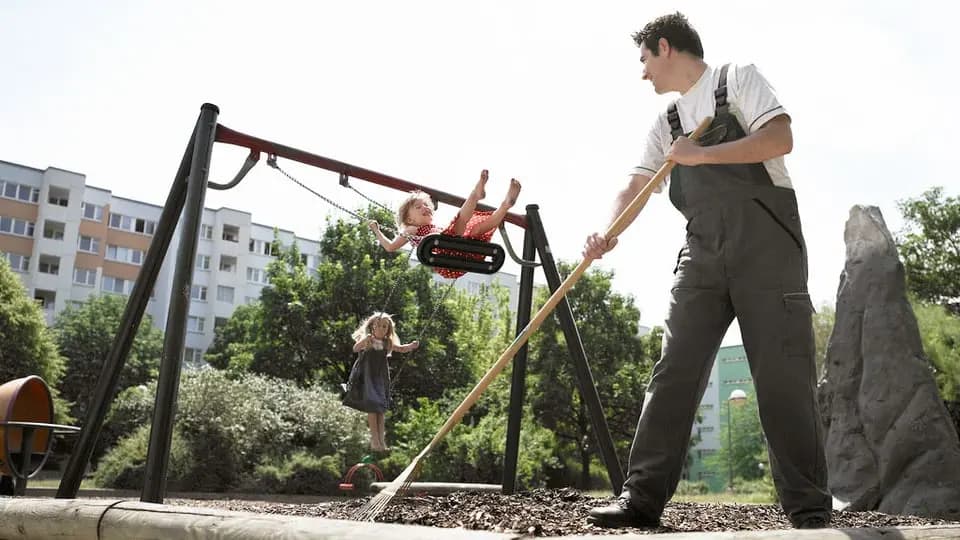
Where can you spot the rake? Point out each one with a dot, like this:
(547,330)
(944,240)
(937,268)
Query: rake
(376,505)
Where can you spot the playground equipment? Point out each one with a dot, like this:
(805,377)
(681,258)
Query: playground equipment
(365,463)
(185,201)
(26,429)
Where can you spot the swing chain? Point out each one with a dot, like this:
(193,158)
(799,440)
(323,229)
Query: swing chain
(272,161)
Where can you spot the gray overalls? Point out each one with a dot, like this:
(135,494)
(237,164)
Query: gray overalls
(744,257)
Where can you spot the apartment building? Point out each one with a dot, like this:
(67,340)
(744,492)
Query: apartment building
(730,372)
(68,240)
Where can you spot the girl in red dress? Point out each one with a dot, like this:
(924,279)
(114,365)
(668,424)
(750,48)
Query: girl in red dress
(415,220)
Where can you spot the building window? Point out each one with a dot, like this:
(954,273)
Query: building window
(93,212)
(706,407)
(206,232)
(18,227)
(53,230)
(231,233)
(20,192)
(706,429)
(198,292)
(132,224)
(192,356)
(219,322)
(89,244)
(58,196)
(114,285)
(124,254)
(225,294)
(262,247)
(228,264)
(85,276)
(734,359)
(195,324)
(48,264)
(19,263)
(257,275)
(738,381)
(203,262)
(249,299)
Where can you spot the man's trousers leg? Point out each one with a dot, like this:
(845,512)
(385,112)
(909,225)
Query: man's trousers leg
(696,323)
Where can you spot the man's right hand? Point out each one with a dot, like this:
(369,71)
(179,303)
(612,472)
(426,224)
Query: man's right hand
(374,226)
(596,245)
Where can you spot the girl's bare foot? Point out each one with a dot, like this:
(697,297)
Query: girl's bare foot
(512,193)
(479,191)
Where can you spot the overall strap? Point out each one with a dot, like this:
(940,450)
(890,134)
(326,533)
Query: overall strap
(673,117)
(720,94)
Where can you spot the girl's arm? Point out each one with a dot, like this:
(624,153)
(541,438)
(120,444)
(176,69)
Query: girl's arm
(407,347)
(362,343)
(389,245)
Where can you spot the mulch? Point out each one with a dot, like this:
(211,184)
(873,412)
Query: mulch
(554,512)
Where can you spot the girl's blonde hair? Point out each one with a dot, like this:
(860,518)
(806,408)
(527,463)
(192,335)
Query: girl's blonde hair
(404,208)
(366,328)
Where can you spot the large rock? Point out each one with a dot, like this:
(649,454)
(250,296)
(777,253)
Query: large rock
(890,445)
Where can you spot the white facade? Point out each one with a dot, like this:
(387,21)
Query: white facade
(68,240)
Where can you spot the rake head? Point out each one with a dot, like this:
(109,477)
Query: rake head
(399,487)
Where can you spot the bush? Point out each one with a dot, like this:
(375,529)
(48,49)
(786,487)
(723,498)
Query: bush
(301,473)
(686,487)
(227,428)
(132,409)
(473,451)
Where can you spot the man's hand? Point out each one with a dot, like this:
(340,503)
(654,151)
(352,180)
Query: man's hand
(686,152)
(374,226)
(596,245)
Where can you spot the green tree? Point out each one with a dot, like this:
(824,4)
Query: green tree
(301,328)
(823,321)
(28,348)
(608,327)
(742,445)
(85,335)
(929,246)
(235,343)
(940,333)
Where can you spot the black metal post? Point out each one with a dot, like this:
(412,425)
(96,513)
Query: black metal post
(129,324)
(518,384)
(161,431)
(585,381)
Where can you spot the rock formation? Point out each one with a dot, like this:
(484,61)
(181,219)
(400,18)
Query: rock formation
(890,443)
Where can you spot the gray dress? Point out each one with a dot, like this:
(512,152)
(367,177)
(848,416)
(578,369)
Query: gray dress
(368,388)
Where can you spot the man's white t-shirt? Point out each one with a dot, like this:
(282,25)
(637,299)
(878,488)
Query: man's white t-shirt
(752,101)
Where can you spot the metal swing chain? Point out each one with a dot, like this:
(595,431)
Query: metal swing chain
(272,161)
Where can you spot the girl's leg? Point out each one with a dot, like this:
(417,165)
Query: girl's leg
(382,419)
(469,205)
(374,425)
(496,218)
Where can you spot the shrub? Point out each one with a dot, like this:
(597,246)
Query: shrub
(227,428)
(686,487)
(301,473)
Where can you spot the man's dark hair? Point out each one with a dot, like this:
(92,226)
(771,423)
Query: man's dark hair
(676,29)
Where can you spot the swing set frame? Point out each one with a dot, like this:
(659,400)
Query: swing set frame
(186,200)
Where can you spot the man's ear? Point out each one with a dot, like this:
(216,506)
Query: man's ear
(664,46)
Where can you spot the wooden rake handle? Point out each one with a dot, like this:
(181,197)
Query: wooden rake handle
(616,228)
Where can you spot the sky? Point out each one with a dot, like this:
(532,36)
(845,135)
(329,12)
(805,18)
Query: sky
(548,92)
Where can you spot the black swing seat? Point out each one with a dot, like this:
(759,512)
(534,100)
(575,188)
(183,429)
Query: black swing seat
(458,253)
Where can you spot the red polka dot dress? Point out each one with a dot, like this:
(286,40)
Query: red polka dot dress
(477,218)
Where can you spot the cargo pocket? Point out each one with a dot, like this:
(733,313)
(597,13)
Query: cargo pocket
(799,311)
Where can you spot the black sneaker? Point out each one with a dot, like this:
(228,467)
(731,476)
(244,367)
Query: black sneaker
(621,514)
(812,522)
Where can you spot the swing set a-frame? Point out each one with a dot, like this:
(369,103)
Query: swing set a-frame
(186,200)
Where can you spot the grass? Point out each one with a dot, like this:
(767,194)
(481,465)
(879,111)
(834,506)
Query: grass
(55,483)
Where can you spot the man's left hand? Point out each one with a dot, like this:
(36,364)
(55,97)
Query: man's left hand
(686,152)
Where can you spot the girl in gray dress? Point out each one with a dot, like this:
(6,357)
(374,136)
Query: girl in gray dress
(368,389)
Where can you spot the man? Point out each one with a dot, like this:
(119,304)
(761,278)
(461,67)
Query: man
(744,257)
